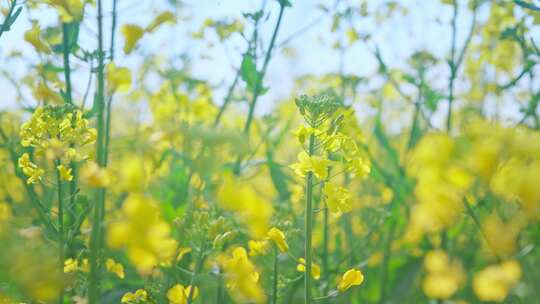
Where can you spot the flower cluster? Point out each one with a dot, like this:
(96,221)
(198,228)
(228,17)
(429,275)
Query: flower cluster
(58,134)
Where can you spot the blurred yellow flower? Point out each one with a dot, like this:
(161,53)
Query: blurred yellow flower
(140,296)
(351,277)
(495,282)
(65,173)
(278,237)
(242,277)
(165,17)
(132,34)
(33,36)
(119,78)
(315,269)
(114,267)
(178,294)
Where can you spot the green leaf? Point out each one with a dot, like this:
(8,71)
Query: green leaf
(285,3)
(527,5)
(279,178)
(14,17)
(249,73)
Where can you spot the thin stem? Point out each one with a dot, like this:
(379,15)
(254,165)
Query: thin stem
(275,279)
(386,260)
(110,99)
(257,89)
(455,63)
(227,99)
(97,228)
(308,225)
(198,267)
(67,69)
(60,226)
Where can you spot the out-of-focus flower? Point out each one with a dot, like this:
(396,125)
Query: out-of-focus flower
(315,269)
(278,237)
(351,277)
(495,282)
(178,294)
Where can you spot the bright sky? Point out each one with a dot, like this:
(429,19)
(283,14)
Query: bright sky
(425,27)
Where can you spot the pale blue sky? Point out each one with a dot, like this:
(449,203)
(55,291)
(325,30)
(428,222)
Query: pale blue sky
(425,27)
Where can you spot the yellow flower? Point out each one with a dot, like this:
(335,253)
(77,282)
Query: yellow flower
(93,175)
(253,209)
(140,296)
(5,212)
(30,169)
(350,278)
(315,164)
(257,247)
(494,282)
(180,295)
(338,199)
(115,268)
(302,133)
(278,237)
(132,34)
(119,78)
(182,252)
(443,277)
(65,173)
(71,265)
(33,37)
(315,269)
(242,277)
(69,10)
(162,18)
(143,233)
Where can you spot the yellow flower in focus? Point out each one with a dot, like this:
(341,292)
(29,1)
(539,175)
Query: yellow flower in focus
(65,173)
(115,268)
(352,277)
(119,78)
(165,17)
(315,164)
(278,237)
(315,269)
(494,282)
(33,36)
(180,295)
(132,34)
(140,296)
(30,169)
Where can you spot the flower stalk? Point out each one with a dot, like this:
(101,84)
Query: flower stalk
(309,225)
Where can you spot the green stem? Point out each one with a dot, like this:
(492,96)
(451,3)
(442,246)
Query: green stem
(308,225)
(257,90)
(386,260)
(198,268)
(227,99)
(275,279)
(97,225)
(60,227)
(67,68)
(4,26)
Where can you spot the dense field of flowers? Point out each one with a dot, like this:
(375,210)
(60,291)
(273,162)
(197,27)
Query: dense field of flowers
(139,182)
